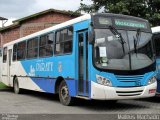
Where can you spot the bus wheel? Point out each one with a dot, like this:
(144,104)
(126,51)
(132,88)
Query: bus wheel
(16,86)
(64,97)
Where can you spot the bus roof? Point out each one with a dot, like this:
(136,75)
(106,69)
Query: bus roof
(67,23)
(121,15)
(155,29)
(61,25)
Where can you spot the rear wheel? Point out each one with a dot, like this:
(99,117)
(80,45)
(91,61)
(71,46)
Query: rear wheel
(64,96)
(17,90)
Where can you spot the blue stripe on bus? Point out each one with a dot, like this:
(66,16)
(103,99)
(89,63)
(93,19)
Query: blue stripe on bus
(45,84)
(48,85)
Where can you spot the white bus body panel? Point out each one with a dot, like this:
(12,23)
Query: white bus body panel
(102,92)
(24,82)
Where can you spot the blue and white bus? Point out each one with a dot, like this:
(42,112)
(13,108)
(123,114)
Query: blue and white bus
(95,56)
(156,39)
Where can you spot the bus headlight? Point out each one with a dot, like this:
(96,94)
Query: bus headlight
(103,81)
(152,80)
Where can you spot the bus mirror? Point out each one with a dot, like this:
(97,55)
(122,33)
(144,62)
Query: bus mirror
(91,35)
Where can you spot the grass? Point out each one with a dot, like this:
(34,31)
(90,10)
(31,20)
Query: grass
(2,86)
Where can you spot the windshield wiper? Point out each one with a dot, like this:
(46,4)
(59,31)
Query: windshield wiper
(116,33)
(136,40)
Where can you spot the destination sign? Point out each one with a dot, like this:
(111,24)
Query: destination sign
(130,23)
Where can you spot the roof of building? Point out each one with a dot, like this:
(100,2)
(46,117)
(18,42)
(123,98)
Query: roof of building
(17,22)
(71,13)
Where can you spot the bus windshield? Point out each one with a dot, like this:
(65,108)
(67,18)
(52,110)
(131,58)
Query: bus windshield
(111,53)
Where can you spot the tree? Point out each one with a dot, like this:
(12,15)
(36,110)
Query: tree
(147,9)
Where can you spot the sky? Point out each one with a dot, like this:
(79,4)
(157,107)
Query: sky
(15,9)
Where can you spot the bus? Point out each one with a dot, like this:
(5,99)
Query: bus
(156,39)
(100,56)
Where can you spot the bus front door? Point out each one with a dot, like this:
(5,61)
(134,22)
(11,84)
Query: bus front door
(83,63)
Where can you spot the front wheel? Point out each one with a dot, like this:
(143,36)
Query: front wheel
(16,86)
(64,96)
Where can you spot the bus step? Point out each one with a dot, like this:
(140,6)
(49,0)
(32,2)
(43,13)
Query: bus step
(83,97)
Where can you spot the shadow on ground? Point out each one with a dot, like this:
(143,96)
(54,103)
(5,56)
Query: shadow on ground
(155,99)
(121,105)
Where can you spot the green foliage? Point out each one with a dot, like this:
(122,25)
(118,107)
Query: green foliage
(147,9)
(2,85)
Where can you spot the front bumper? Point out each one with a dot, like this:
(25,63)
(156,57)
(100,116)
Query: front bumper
(101,92)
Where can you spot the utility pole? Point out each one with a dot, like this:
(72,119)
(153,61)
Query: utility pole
(3,20)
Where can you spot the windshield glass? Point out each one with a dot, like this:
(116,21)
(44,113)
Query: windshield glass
(126,50)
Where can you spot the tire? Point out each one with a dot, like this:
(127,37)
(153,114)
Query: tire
(17,90)
(64,96)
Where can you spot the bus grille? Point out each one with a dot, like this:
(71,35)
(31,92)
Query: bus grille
(129,93)
(129,81)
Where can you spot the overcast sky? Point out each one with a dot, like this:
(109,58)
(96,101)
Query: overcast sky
(15,9)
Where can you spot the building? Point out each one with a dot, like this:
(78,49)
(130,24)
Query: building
(33,23)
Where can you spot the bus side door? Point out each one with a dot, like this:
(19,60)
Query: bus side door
(83,87)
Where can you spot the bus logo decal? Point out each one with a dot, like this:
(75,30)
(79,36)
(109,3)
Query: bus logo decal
(48,66)
(59,67)
(32,71)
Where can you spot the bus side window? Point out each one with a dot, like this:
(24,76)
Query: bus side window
(59,43)
(68,41)
(32,48)
(49,45)
(21,50)
(14,52)
(46,45)
(5,55)
(64,40)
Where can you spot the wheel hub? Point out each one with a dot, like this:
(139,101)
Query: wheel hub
(64,92)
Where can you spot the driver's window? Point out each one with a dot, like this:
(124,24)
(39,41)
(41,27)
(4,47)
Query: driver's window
(112,43)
